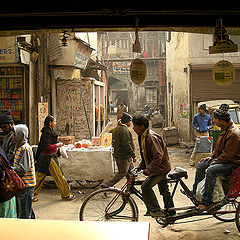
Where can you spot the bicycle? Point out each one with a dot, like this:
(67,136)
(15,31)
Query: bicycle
(113,204)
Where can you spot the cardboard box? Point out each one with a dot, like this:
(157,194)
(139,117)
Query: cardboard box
(106,139)
(66,139)
(96,141)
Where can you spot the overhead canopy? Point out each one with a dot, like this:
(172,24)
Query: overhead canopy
(27,16)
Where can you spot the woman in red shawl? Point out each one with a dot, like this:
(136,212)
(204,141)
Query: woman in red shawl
(47,163)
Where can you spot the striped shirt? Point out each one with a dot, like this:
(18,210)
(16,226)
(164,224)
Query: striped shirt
(25,151)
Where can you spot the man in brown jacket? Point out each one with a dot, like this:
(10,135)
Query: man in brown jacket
(156,165)
(223,160)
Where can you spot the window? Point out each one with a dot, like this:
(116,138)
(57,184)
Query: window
(234,115)
(124,43)
(151,95)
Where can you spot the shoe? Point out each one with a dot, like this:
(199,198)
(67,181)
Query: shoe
(147,214)
(69,198)
(157,213)
(35,200)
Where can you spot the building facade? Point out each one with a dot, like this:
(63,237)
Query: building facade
(189,78)
(115,51)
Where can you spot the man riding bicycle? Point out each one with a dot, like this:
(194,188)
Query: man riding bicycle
(223,160)
(156,165)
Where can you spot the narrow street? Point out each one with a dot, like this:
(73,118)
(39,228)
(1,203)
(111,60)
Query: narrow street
(50,206)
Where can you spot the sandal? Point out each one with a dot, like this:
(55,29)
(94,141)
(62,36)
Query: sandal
(69,198)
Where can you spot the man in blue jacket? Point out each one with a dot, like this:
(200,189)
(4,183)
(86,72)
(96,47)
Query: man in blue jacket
(201,123)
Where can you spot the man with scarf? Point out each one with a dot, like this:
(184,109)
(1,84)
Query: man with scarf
(8,144)
(156,165)
(47,163)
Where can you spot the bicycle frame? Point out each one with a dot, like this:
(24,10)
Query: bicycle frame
(128,188)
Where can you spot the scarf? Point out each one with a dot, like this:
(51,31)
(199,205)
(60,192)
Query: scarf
(48,137)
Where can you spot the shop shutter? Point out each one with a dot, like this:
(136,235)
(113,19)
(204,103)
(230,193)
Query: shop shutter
(205,89)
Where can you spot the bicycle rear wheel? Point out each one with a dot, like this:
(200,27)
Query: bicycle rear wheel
(237,217)
(108,205)
(227,212)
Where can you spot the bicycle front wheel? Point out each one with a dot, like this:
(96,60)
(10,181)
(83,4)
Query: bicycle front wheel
(227,212)
(108,205)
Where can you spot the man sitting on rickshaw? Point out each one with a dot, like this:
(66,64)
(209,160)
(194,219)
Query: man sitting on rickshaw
(223,160)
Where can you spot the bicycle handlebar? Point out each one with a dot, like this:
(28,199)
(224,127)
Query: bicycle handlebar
(135,171)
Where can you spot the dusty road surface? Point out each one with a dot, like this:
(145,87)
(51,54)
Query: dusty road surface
(50,206)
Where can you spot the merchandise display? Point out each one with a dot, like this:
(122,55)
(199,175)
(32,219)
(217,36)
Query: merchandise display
(11,91)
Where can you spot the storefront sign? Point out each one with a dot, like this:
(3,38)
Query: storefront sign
(138,71)
(223,48)
(121,67)
(82,55)
(223,73)
(8,50)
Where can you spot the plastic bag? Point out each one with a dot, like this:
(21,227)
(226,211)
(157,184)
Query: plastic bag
(204,144)
(218,193)
(63,152)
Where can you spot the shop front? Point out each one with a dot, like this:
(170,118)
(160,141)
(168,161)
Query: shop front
(13,78)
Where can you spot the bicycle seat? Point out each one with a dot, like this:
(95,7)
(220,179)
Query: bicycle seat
(178,173)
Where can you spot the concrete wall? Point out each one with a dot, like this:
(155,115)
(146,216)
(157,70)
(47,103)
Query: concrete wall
(177,81)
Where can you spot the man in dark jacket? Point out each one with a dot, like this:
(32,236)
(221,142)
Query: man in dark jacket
(223,160)
(156,165)
(123,151)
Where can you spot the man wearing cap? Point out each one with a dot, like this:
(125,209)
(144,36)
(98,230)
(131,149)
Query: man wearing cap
(124,151)
(8,144)
(201,123)
(224,159)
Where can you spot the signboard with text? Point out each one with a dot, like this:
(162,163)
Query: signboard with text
(8,50)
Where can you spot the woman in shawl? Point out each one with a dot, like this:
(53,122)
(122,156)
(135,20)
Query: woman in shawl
(47,163)
(8,208)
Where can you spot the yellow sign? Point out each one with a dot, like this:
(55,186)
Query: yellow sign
(223,48)
(138,71)
(223,73)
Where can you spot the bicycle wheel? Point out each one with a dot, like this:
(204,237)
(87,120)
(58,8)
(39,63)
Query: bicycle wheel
(227,212)
(89,184)
(108,205)
(237,217)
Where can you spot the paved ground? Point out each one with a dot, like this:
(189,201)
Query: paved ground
(50,206)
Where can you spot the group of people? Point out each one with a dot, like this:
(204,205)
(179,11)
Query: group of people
(31,169)
(155,161)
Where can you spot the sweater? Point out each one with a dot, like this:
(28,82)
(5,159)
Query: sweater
(123,144)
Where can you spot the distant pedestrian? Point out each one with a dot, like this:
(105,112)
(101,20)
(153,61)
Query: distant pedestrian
(201,123)
(111,107)
(47,163)
(120,110)
(96,117)
(101,116)
(24,167)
